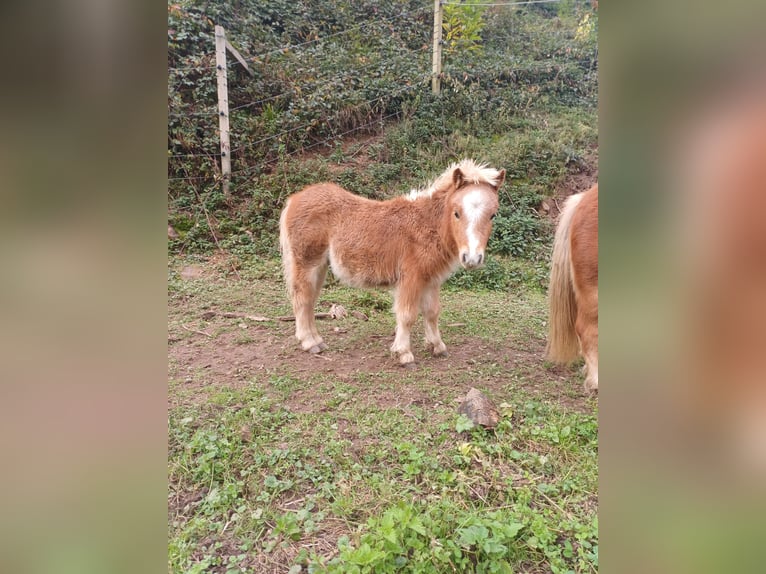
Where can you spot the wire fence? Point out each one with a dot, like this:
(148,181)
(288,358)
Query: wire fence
(291,136)
(273,116)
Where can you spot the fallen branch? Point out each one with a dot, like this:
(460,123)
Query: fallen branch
(258,318)
(184,327)
(336,312)
(207,315)
(316,316)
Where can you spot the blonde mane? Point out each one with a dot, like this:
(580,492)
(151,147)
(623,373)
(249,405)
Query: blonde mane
(472,172)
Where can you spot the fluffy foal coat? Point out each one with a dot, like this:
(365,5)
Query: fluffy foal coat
(573,288)
(412,243)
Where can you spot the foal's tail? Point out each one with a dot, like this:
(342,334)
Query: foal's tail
(285,249)
(563,345)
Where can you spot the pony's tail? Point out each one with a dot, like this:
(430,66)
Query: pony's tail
(286,249)
(563,345)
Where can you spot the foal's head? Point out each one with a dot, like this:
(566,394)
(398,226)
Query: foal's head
(472,206)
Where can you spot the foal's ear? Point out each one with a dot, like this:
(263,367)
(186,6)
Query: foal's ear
(500,179)
(458,179)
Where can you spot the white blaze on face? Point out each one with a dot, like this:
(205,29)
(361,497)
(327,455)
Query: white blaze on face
(474,207)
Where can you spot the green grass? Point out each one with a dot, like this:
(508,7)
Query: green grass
(330,466)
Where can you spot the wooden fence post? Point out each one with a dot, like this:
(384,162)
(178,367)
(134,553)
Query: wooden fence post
(223,108)
(437,60)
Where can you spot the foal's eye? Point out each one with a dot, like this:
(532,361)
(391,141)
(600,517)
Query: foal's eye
(457,215)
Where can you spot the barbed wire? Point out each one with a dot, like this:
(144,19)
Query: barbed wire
(314,121)
(335,78)
(303,149)
(398,56)
(501,3)
(308,124)
(537,65)
(340,135)
(347,31)
(197,178)
(187,68)
(192,114)
(195,155)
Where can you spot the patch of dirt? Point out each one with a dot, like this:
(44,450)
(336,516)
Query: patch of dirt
(323,542)
(581,176)
(181,504)
(235,356)
(192,272)
(355,154)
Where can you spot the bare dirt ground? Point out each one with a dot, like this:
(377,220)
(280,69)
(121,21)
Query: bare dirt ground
(580,177)
(229,355)
(227,362)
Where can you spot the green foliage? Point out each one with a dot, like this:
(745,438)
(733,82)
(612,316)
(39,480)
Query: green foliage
(462,26)
(432,539)
(463,423)
(492,275)
(503,274)
(519,232)
(519,91)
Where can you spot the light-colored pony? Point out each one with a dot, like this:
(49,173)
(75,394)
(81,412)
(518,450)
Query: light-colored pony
(573,288)
(411,243)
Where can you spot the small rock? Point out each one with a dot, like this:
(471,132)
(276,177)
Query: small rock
(192,272)
(338,311)
(478,408)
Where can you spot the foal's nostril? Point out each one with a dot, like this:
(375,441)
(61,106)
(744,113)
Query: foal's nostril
(481,258)
(465,257)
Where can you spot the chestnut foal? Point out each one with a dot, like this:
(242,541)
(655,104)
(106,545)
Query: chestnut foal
(411,243)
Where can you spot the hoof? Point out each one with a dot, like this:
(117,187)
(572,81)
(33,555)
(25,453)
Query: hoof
(406,358)
(591,383)
(438,350)
(316,349)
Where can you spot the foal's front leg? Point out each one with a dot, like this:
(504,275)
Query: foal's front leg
(431,307)
(406,309)
(305,290)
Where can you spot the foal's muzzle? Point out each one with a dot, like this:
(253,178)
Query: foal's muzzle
(471,261)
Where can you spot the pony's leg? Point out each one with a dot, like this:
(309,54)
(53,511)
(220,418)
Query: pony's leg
(305,290)
(586,326)
(430,306)
(319,277)
(406,302)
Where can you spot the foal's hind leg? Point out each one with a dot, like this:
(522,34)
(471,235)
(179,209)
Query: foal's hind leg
(586,326)
(590,352)
(430,306)
(307,283)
